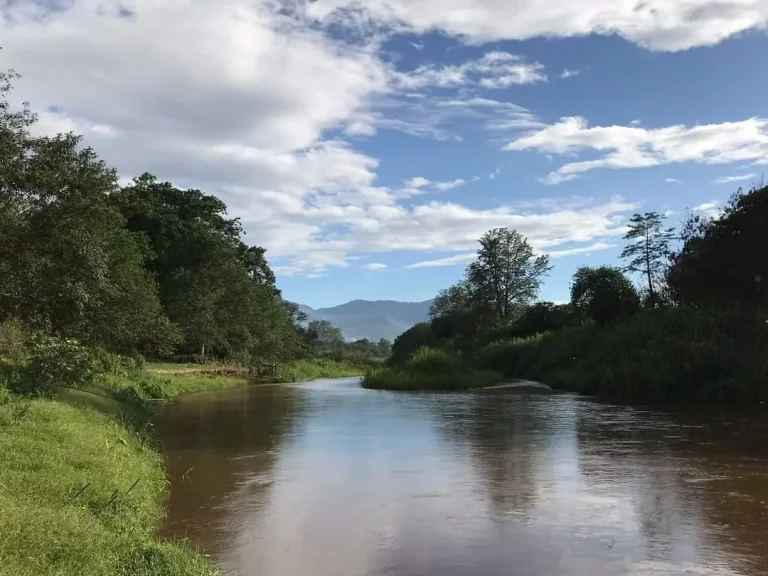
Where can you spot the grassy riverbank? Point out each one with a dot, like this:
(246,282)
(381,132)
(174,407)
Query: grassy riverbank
(82,491)
(81,495)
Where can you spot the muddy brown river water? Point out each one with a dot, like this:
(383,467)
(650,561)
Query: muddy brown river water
(328,479)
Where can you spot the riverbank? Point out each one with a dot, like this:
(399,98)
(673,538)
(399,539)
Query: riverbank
(82,490)
(81,494)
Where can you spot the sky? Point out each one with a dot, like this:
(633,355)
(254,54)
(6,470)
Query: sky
(368,144)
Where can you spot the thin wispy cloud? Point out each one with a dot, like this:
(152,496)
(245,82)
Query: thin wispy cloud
(737,178)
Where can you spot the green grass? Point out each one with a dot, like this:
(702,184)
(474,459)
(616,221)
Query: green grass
(403,379)
(305,370)
(49,451)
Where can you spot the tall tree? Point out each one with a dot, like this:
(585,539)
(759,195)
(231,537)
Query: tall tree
(507,274)
(648,250)
(724,261)
(212,285)
(325,336)
(603,294)
(66,262)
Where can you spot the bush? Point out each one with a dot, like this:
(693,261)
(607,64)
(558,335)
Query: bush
(679,355)
(56,363)
(433,360)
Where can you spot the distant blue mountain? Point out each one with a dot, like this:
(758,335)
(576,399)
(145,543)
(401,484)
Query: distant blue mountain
(373,320)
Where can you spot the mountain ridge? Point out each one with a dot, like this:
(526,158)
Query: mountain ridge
(372,319)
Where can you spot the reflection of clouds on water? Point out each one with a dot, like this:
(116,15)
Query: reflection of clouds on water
(344,481)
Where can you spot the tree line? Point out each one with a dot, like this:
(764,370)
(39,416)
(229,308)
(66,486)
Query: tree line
(145,268)
(692,329)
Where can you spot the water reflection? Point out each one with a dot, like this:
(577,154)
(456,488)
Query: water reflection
(327,478)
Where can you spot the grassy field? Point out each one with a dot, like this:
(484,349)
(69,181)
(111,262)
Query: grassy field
(81,495)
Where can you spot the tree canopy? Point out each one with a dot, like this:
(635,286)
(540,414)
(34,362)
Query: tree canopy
(603,294)
(147,268)
(724,260)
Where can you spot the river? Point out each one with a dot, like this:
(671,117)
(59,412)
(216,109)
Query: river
(329,479)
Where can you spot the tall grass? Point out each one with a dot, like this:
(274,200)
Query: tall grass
(305,370)
(430,369)
(670,356)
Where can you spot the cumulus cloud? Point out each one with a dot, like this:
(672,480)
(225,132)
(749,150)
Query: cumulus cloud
(241,99)
(738,178)
(638,147)
(657,25)
(375,266)
(569,73)
(673,181)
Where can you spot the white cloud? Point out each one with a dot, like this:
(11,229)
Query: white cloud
(569,73)
(657,25)
(450,185)
(739,178)
(596,247)
(238,98)
(458,259)
(637,147)
(492,71)
(467,257)
(673,181)
(417,182)
(710,209)
(375,266)
(493,175)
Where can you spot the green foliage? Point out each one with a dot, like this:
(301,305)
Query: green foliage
(430,369)
(724,261)
(680,355)
(306,370)
(542,317)
(603,294)
(399,379)
(648,251)
(67,265)
(56,363)
(324,336)
(426,360)
(506,275)
(408,342)
(497,288)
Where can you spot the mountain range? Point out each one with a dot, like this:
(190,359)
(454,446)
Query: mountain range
(373,320)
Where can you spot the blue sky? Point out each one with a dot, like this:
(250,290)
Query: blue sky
(369,143)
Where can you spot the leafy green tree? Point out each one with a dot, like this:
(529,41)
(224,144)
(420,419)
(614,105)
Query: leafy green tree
(541,317)
(506,275)
(212,285)
(325,336)
(67,265)
(383,348)
(724,261)
(603,294)
(648,250)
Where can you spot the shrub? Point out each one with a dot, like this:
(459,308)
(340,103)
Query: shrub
(56,363)
(433,360)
